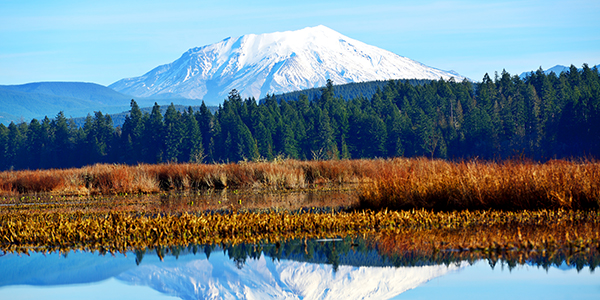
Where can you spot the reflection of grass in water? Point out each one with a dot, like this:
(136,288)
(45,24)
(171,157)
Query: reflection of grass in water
(538,245)
(480,231)
(198,202)
(192,214)
(374,250)
(380,250)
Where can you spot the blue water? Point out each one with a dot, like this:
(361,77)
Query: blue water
(223,274)
(480,281)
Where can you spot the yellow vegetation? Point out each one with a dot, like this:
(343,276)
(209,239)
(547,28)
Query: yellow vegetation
(393,183)
(122,231)
(443,185)
(427,205)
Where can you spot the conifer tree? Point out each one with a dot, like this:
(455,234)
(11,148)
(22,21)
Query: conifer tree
(173,135)
(192,149)
(206,124)
(154,137)
(133,134)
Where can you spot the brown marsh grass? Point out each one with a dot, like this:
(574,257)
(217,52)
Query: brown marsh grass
(435,205)
(386,183)
(119,179)
(509,185)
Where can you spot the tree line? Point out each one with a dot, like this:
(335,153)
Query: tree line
(349,90)
(539,117)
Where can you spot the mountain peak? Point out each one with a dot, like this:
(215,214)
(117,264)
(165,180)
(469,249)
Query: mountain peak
(319,29)
(276,62)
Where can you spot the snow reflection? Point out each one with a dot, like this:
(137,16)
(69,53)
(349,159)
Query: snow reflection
(323,269)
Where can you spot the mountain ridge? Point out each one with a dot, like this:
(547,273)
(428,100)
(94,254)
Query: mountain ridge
(275,63)
(24,102)
(557,69)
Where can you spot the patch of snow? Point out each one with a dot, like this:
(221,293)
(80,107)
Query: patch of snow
(265,278)
(275,63)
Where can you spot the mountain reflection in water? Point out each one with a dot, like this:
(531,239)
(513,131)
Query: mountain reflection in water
(348,268)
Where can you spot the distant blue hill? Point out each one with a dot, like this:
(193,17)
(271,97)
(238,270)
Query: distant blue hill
(119,118)
(556,69)
(76,99)
(77,90)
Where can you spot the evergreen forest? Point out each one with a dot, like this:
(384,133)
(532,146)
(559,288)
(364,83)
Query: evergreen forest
(539,117)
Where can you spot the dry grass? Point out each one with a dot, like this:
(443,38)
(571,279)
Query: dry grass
(443,185)
(118,179)
(519,207)
(394,183)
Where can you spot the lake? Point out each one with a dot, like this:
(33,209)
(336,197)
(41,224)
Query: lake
(348,268)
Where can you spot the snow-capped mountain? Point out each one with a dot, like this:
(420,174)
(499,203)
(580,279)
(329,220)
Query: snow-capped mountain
(274,63)
(196,277)
(265,278)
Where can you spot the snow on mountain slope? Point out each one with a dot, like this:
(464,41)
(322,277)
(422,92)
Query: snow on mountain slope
(264,278)
(274,63)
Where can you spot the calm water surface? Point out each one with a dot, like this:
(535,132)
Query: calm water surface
(319,269)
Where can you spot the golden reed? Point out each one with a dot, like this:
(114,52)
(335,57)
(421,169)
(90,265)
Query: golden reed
(508,185)
(385,183)
(415,230)
(143,178)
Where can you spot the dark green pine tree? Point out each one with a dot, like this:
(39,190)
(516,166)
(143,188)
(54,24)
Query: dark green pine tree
(287,138)
(37,139)
(427,133)
(395,125)
(88,153)
(594,109)
(14,142)
(533,125)
(301,127)
(288,143)
(100,137)
(323,143)
(271,113)
(132,135)
(235,141)
(263,141)
(326,93)
(215,147)
(239,142)
(192,150)
(519,113)
(374,139)
(173,134)
(340,125)
(62,151)
(549,113)
(478,133)
(4,163)
(486,94)
(46,151)
(206,124)
(153,142)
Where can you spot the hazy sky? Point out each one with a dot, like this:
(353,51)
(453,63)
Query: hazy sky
(104,41)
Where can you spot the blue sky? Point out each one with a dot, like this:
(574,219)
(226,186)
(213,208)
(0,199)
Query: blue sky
(104,41)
